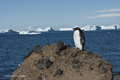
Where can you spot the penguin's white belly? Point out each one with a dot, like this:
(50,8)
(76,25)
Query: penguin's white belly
(77,39)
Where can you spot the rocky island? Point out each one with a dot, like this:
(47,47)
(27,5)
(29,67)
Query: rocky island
(61,62)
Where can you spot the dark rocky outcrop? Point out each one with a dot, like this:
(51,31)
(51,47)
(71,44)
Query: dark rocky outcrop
(62,62)
(43,63)
(58,72)
(36,49)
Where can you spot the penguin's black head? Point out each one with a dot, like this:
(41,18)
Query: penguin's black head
(76,28)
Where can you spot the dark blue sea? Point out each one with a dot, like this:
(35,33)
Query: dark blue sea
(13,48)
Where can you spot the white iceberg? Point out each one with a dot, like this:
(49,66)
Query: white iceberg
(4,31)
(85,28)
(44,30)
(30,28)
(118,26)
(65,29)
(8,31)
(110,27)
(23,32)
(93,27)
(27,33)
(89,28)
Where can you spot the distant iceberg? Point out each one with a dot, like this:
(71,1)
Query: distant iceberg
(28,33)
(48,29)
(10,31)
(32,31)
(4,31)
(30,28)
(85,28)
(65,29)
(110,27)
(94,27)
(23,32)
(89,28)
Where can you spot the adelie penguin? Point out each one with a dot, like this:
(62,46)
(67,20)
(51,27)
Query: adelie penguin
(79,38)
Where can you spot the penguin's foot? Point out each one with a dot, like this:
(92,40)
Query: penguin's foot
(81,51)
(76,48)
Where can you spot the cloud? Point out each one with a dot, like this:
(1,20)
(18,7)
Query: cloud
(110,10)
(113,15)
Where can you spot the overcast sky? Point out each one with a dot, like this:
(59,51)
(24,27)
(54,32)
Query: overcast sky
(20,14)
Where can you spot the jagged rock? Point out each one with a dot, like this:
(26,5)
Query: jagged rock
(74,54)
(64,53)
(90,68)
(58,72)
(40,66)
(61,62)
(36,49)
(60,45)
(99,64)
(58,53)
(89,52)
(98,56)
(75,61)
(76,66)
(47,43)
(39,78)
(22,79)
(80,63)
(102,70)
(43,63)
(67,45)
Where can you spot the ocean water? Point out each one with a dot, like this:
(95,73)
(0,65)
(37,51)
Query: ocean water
(13,48)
